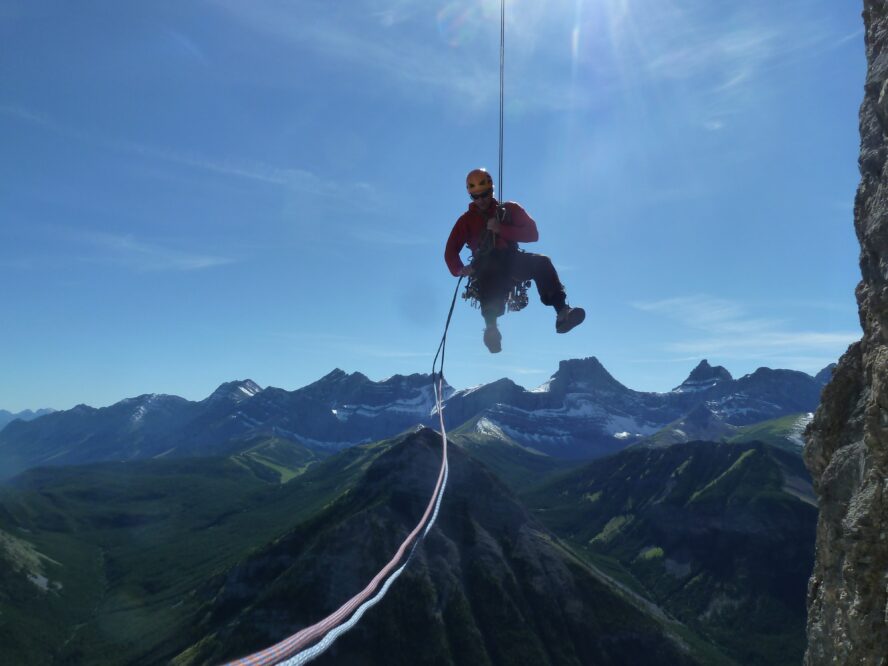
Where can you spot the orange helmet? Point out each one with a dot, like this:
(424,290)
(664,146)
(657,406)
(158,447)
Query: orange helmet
(479,183)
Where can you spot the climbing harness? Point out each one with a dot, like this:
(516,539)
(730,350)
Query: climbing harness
(485,269)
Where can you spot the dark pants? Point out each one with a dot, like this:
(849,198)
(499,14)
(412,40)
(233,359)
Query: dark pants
(498,272)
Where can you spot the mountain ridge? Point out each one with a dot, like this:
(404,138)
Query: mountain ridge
(582,412)
(474,571)
(490,585)
(25,415)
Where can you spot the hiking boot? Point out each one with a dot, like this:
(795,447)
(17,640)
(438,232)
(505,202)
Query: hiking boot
(569,317)
(493,339)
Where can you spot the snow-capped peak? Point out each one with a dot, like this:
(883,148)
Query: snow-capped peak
(236,390)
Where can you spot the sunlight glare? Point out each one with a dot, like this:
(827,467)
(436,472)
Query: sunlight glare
(461,21)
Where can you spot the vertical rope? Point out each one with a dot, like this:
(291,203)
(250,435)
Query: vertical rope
(501,89)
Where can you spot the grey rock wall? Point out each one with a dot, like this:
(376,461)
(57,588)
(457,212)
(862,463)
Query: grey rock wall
(847,442)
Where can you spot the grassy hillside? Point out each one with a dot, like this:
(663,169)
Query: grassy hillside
(490,586)
(128,544)
(718,534)
(783,433)
(201,560)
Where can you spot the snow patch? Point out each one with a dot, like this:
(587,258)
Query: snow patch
(40,581)
(696,386)
(148,401)
(796,433)
(544,435)
(139,414)
(421,405)
(487,427)
(578,405)
(619,423)
(542,388)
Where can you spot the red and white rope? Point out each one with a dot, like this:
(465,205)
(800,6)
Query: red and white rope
(298,649)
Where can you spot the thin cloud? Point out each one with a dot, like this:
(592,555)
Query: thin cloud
(731,333)
(146,257)
(294,180)
(764,344)
(707,313)
(355,194)
(699,52)
(715,63)
(187,45)
(854,36)
(32,117)
(358,193)
(451,72)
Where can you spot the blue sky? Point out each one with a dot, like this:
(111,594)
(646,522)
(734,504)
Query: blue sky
(197,192)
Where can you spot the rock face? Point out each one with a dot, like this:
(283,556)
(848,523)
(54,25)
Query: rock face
(847,447)
(704,376)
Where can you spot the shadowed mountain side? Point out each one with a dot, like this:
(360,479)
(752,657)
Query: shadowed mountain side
(489,586)
(154,426)
(720,535)
(700,425)
(515,465)
(25,415)
(119,549)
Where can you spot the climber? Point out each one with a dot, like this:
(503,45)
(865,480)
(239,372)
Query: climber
(492,232)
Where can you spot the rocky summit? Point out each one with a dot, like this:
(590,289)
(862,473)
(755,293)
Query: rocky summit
(704,376)
(581,412)
(847,448)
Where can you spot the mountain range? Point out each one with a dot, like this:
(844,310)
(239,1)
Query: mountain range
(584,522)
(688,555)
(26,415)
(581,412)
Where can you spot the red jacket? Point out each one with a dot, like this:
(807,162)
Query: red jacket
(471,226)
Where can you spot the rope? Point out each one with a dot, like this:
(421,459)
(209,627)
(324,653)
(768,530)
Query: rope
(501,89)
(295,650)
(443,344)
(309,654)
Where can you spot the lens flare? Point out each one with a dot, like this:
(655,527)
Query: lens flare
(460,22)
(454,24)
